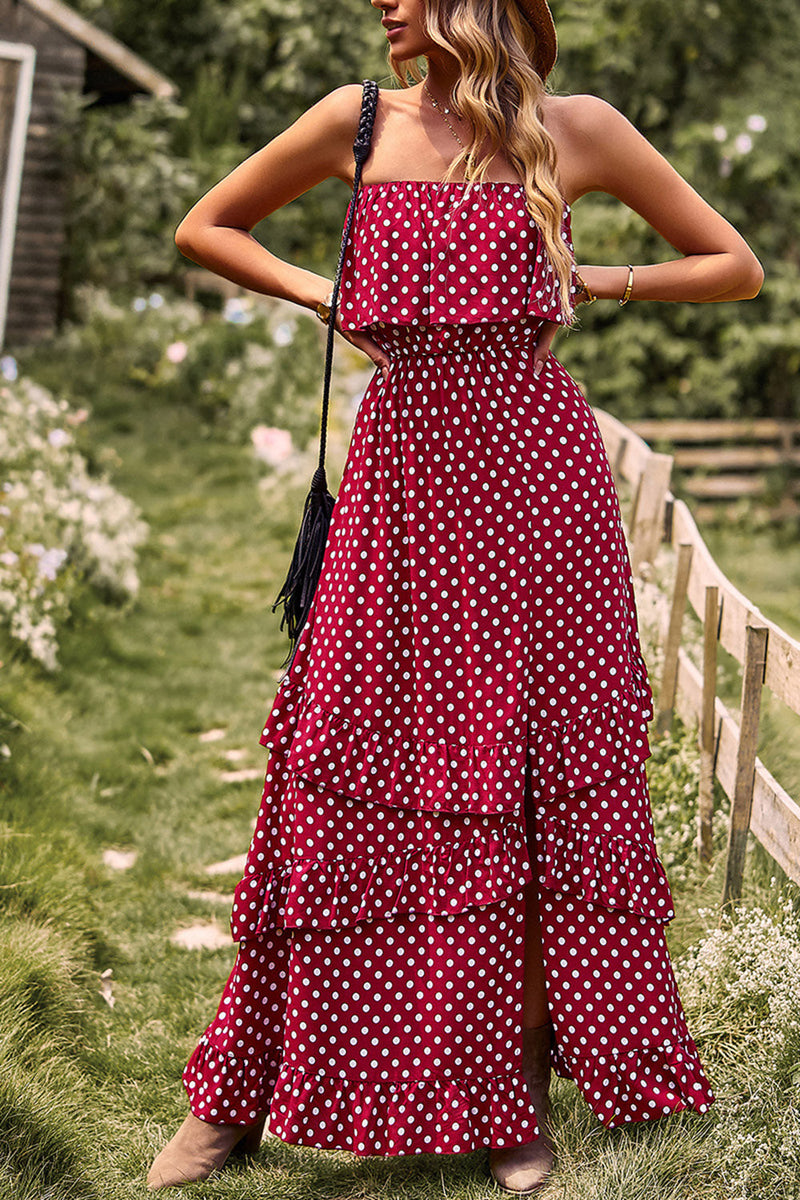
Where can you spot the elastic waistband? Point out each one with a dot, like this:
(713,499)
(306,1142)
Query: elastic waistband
(454,339)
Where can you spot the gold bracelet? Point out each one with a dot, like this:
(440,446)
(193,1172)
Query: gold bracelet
(585,288)
(629,288)
(323,309)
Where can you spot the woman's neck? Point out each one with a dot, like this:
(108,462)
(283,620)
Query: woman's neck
(443,74)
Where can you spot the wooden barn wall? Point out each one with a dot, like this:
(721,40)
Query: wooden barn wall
(35,291)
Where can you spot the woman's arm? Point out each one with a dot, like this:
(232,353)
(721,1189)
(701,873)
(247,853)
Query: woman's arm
(601,151)
(216,232)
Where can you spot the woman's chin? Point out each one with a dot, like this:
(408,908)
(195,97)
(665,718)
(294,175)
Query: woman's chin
(404,49)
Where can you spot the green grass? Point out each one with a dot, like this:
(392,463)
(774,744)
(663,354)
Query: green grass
(764,563)
(107,754)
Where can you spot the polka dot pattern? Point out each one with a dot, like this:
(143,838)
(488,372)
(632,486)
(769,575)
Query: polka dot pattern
(441,253)
(232,1073)
(466,710)
(620,1029)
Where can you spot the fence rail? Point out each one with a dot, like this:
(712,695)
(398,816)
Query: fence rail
(722,461)
(768,656)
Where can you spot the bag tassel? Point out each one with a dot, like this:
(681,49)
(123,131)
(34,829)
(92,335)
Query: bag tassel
(297,592)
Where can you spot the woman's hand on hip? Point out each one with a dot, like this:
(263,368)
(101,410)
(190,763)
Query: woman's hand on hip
(542,345)
(362,341)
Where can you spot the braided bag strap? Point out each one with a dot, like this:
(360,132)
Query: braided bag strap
(297,591)
(361,148)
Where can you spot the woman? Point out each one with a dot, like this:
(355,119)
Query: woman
(453,881)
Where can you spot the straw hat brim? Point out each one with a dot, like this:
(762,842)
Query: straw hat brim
(540,17)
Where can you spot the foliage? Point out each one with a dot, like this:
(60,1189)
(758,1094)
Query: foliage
(286,53)
(128,187)
(714,91)
(245,72)
(62,527)
(245,365)
(674,775)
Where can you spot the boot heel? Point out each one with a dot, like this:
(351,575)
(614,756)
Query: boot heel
(249,1145)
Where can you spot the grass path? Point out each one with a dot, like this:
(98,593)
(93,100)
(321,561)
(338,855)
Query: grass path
(108,756)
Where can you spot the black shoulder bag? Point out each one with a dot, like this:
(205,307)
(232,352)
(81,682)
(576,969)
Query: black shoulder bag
(297,592)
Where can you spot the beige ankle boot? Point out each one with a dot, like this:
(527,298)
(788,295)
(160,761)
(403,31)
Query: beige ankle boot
(524,1169)
(198,1149)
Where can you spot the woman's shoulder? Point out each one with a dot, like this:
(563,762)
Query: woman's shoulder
(581,115)
(342,106)
(340,109)
(332,123)
(595,143)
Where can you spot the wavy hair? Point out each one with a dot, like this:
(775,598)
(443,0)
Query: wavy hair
(500,93)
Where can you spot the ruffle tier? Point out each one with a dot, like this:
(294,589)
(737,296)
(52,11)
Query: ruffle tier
(445,286)
(242,1087)
(448,1116)
(371,1117)
(445,879)
(641,1084)
(612,871)
(381,767)
(440,880)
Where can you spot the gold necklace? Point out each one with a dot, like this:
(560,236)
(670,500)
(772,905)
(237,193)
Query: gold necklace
(444,111)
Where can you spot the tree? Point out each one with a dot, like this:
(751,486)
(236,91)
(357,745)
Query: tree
(714,87)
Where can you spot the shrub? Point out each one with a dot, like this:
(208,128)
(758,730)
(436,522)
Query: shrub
(251,363)
(674,776)
(62,528)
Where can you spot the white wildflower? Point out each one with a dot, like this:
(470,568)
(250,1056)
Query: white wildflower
(284,334)
(51,562)
(59,513)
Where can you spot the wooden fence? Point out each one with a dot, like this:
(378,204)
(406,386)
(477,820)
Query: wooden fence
(767,655)
(722,461)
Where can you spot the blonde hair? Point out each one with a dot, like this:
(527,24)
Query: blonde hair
(500,93)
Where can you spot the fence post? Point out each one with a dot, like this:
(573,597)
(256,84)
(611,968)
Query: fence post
(647,517)
(635,495)
(705,808)
(619,458)
(755,657)
(669,675)
(669,517)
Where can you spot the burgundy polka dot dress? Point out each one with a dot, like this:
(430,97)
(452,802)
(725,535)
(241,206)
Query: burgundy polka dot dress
(466,710)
